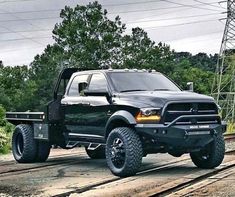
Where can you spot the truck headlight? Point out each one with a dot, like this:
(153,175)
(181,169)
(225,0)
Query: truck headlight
(149,115)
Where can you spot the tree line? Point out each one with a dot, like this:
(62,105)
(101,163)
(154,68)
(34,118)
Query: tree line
(87,39)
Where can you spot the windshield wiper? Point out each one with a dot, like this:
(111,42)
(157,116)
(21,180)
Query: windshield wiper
(161,89)
(132,90)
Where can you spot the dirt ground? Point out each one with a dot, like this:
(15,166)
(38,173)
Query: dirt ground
(71,170)
(223,188)
(72,173)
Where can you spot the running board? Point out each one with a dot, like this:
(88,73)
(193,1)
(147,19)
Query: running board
(72,144)
(93,146)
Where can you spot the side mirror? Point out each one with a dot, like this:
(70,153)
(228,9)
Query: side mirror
(96,93)
(190,86)
(82,86)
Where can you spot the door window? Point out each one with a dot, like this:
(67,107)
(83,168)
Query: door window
(98,82)
(78,84)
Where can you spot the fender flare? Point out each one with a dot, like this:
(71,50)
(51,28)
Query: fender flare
(123,115)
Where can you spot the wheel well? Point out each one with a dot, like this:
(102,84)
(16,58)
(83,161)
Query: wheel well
(114,124)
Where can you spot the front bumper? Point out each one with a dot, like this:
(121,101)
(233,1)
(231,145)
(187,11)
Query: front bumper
(188,136)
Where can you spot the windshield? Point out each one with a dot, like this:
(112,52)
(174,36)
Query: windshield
(142,81)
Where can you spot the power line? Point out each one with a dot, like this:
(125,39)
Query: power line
(119,4)
(47,18)
(180,24)
(131,3)
(33,25)
(24,31)
(179,5)
(187,5)
(10,1)
(133,22)
(30,19)
(32,11)
(196,37)
(148,28)
(173,18)
(130,11)
(26,38)
(22,49)
(43,30)
(164,8)
(208,4)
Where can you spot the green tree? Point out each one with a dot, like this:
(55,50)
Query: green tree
(15,88)
(184,73)
(139,51)
(43,74)
(5,132)
(89,39)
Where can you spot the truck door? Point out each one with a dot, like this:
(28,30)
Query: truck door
(97,108)
(73,106)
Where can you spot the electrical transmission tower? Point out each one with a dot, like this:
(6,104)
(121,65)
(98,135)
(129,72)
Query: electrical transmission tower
(223,89)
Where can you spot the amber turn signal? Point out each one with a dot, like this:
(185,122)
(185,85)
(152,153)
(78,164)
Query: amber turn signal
(152,118)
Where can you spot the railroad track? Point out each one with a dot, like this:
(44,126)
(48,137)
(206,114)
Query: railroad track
(58,160)
(229,137)
(203,183)
(160,190)
(69,160)
(152,169)
(147,170)
(186,185)
(176,188)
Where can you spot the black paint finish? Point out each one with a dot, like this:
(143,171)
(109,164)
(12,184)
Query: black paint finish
(90,118)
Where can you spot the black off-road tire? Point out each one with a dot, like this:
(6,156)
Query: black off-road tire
(133,151)
(98,153)
(212,155)
(24,147)
(43,151)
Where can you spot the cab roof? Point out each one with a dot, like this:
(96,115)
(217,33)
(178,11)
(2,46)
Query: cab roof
(118,70)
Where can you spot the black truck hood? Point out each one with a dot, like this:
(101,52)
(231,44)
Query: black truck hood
(160,98)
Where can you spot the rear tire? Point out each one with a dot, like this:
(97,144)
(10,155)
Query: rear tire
(124,152)
(98,153)
(212,155)
(24,147)
(43,151)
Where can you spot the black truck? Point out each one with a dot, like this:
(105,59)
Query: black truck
(121,115)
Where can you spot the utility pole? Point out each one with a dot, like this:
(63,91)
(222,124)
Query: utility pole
(223,88)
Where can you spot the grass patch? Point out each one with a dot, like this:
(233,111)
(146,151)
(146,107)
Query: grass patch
(230,127)
(6,130)
(5,140)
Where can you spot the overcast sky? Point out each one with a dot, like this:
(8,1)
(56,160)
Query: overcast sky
(186,25)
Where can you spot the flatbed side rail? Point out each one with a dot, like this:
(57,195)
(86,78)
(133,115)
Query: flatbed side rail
(25,116)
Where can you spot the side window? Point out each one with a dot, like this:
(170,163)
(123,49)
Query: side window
(78,84)
(98,82)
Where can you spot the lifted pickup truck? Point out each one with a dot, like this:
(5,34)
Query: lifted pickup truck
(121,115)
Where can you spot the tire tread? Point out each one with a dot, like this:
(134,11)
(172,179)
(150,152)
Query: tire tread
(134,153)
(216,155)
(30,146)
